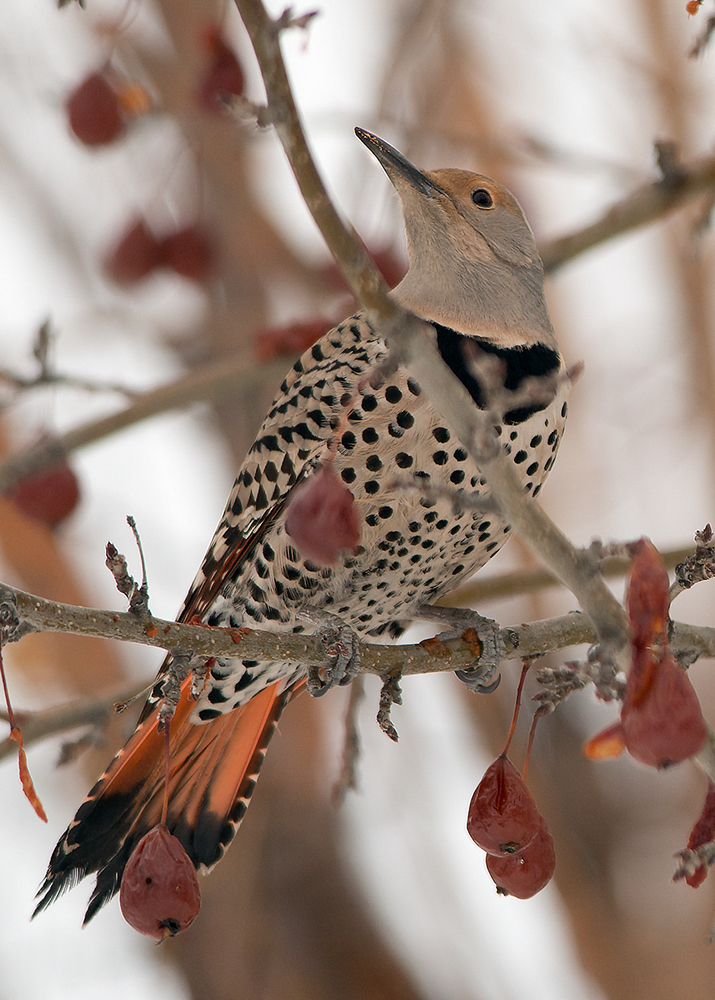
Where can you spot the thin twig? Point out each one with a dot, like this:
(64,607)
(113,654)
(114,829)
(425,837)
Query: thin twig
(347,779)
(210,382)
(61,718)
(390,694)
(647,204)
(526,581)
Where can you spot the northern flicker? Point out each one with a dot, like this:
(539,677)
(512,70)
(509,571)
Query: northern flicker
(476,277)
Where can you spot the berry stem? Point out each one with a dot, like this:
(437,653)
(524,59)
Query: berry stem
(542,710)
(165,806)
(517,705)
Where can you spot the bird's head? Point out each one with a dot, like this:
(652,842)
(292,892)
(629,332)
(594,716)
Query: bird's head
(474,265)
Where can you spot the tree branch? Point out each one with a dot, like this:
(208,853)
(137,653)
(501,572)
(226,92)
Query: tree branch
(30,613)
(346,247)
(36,614)
(648,203)
(226,375)
(61,718)
(526,581)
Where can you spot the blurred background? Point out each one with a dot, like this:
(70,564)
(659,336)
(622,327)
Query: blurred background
(387,896)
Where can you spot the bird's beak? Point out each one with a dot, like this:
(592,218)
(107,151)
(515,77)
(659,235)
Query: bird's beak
(395,163)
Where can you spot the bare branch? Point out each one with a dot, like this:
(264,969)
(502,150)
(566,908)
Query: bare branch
(226,375)
(390,694)
(697,566)
(36,614)
(361,273)
(646,204)
(61,718)
(47,375)
(136,594)
(347,779)
(486,588)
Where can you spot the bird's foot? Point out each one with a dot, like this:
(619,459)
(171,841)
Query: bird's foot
(342,645)
(483,633)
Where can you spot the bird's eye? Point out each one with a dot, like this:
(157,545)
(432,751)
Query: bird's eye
(482,198)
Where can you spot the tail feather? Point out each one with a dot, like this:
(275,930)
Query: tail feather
(212,773)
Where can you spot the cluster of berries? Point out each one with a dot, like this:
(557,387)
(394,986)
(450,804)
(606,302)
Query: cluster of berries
(503,820)
(660,724)
(101,109)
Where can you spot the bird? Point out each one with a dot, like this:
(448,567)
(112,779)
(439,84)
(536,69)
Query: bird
(475,276)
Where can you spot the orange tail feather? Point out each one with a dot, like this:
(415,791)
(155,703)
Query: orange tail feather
(213,770)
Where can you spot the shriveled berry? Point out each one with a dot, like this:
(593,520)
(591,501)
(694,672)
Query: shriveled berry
(223,76)
(322,518)
(95,112)
(702,833)
(648,597)
(189,252)
(159,894)
(502,817)
(526,873)
(664,724)
(135,256)
(49,496)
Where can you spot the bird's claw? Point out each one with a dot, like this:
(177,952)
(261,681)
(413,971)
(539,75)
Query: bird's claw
(484,634)
(342,646)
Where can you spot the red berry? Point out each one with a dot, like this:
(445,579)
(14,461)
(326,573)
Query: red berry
(189,253)
(648,597)
(502,817)
(95,112)
(159,895)
(322,518)
(663,724)
(702,833)
(292,339)
(223,77)
(49,496)
(526,873)
(135,256)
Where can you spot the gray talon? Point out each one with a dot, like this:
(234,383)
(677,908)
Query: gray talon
(477,682)
(315,686)
(342,646)
(484,678)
